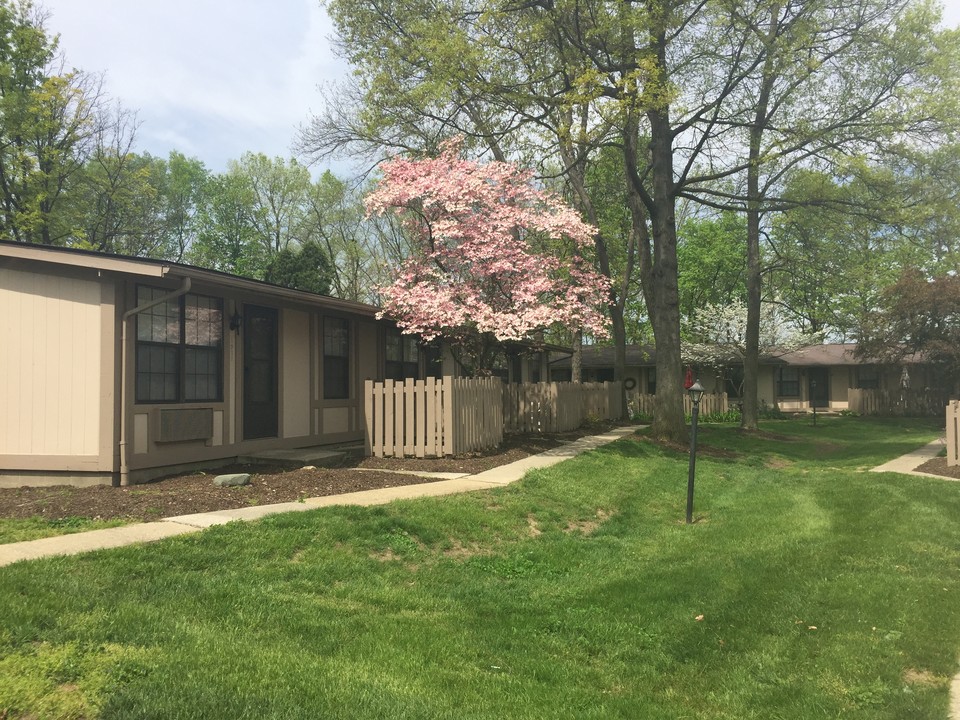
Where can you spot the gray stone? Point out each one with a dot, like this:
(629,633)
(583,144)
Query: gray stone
(232,480)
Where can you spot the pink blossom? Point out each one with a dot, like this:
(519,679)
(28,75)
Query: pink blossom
(476,268)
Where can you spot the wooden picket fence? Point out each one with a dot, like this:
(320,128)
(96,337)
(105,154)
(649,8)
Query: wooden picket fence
(953,433)
(433,418)
(899,402)
(710,403)
(558,407)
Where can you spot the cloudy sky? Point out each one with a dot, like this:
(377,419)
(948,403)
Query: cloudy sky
(210,78)
(213,78)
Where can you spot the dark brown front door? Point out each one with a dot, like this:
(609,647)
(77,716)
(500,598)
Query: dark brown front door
(819,387)
(259,372)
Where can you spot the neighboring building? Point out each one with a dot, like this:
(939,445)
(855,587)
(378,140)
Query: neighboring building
(117,369)
(815,376)
(597,366)
(821,376)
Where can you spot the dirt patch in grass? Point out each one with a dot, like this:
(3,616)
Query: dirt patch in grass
(702,448)
(195,492)
(459,551)
(924,678)
(767,435)
(588,527)
(778,463)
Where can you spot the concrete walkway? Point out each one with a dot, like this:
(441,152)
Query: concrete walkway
(908,464)
(184,524)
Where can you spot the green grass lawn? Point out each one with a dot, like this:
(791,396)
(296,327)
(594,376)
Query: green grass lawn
(19,529)
(809,588)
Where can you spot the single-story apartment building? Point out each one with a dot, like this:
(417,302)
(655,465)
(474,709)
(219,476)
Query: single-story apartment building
(815,376)
(118,370)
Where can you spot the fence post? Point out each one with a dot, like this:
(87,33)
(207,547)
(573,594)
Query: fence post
(388,424)
(368,417)
(409,434)
(446,420)
(953,428)
(398,418)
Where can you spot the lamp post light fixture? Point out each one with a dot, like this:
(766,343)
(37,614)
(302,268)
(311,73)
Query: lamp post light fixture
(696,394)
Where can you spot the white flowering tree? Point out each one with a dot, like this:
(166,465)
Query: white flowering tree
(716,336)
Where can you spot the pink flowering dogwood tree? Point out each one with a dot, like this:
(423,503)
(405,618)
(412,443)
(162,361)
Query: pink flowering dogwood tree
(477,280)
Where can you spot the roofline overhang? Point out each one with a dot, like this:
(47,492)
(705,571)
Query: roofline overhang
(79,258)
(151,268)
(257,286)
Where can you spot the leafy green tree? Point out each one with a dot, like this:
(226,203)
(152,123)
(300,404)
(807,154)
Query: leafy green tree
(916,315)
(848,236)
(711,253)
(335,218)
(925,212)
(598,188)
(226,240)
(307,268)
(113,203)
(48,121)
(182,194)
(278,191)
(710,102)
(881,60)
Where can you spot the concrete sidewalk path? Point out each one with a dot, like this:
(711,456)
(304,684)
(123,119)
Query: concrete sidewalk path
(908,464)
(183,524)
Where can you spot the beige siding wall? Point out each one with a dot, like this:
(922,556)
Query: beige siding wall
(295,373)
(50,365)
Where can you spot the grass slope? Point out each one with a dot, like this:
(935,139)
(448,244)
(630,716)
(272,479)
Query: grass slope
(808,589)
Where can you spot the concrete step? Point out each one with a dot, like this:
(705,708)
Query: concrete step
(322,456)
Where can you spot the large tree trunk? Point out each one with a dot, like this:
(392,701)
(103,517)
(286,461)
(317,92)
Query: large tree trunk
(669,422)
(576,359)
(619,353)
(658,266)
(751,361)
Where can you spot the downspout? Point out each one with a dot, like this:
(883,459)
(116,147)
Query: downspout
(124,352)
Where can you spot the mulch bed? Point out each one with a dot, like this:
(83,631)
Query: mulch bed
(193,493)
(938,466)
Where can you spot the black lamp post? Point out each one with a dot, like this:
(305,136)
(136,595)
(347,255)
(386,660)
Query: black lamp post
(696,394)
(813,400)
